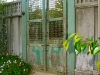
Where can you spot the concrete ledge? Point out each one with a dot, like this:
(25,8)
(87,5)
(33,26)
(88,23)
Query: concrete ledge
(87,72)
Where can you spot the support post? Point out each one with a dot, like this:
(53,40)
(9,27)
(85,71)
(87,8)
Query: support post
(44,33)
(71,29)
(24,30)
(65,25)
(98,23)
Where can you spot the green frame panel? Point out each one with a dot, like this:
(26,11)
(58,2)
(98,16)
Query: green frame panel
(24,29)
(71,29)
(65,22)
(44,33)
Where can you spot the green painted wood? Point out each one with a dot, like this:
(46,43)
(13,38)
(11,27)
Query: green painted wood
(49,19)
(65,33)
(47,30)
(24,31)
(35,48)
(27,28)
(56,55)
(71,29)
(65,18)
(47,56)
(44,32)
(36,57)
(35,20)
(56,19)
(27,18)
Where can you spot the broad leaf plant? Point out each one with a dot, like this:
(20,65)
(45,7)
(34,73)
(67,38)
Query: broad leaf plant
(81,44)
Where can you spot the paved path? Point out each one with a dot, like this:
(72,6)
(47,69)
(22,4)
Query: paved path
(41,73)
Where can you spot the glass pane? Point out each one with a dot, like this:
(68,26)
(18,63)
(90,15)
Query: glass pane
(55,8)
(35,9)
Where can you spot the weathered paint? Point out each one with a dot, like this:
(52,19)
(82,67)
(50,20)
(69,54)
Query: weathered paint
(35,56)
(48,56)
(45,17)
(85,26)
(71,29)
(65,27)
(24,31)
(56,59)
(15,35)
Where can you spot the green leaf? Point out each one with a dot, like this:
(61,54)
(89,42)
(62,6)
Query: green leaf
(72,35)
(90,39)
(94,44)
(83,47)
(64,43)
(90,49)
(99,38)
(76,36)
(78,47)
(76,52)
(92,52)
(76,40)
(87,53)
(98,64)
(67,46)
(96,50)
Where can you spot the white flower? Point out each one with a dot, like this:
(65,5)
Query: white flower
(9,61)
(0,71)
(20,63)
(15,61)
(24,69)
(76,51)
(1,66)
(7,54)
(2,58)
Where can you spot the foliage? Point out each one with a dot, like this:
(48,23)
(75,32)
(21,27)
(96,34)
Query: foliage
(1,4)
(1,7)
(81,44)
(54,12)
(13,65)
(98,64)
(3,28)
(57,11)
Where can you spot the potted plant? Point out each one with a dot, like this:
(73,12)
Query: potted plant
(81,44)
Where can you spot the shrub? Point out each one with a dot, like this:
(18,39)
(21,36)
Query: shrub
(13,65)
(81,44)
